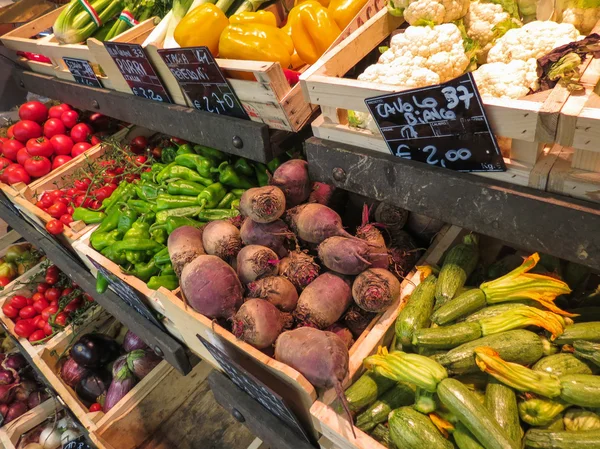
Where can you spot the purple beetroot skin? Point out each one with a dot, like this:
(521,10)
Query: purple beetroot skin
(345,256)
(259,323)
(300,268)
(255,262)
(185,244)
(314,223)
(263,204)
(222,239)
(292,178)
(272,235)
(278,290)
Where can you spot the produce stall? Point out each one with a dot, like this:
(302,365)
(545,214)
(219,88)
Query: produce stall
(333,293)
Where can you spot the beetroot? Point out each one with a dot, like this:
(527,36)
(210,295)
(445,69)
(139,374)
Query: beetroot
(344,255)
(211,287)
(343,332)
(357,319)
(15,410)
(324,301)
(255,262)
(272,235)
(314,222)
(185,244)
(404,254)
(278,290)
(222,239)
(300,268)
(392,217)
(259,323)
(375,289)
(263,204)
(368,232)
(422,226)
(292,178)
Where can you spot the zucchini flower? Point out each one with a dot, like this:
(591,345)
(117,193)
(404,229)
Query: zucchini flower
(515,375)
(519,284)
(445,427)
(540,411)
(577,419)
(412,368)
(524,316)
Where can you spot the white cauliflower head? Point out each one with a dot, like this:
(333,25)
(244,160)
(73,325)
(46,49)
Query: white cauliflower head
(533,40)
(418,12)
(502,80)
(583,19)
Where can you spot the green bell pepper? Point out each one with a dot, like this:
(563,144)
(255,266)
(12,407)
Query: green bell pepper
(191,211)
(179,172)
(170,282)
(229,177)
(165,201)
(238,192)
(148,191)
(182,187)
(159,235)
(168,154)
(273,164)
(141,206)
(145,271)
(88,216)
(101,240)
(186,148)
(135,257)
(235,204)
(126,220)
(210,152)
(262,175)
(140,229)
(115,199)
(212,195)
(242,167)
(196,162)
(177,222)
(117,256)
(217,214)
(167,270)
(137,245)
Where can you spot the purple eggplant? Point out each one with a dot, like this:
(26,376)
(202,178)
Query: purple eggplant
(121,384)
(118,364)
(95,350)
(92,386)
(142,361)
(131,342)
(72,373)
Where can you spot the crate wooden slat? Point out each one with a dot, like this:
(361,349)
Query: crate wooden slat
(573,182)
(11,432)
(530,121)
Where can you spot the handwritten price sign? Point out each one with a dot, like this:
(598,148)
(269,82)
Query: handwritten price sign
(443,125)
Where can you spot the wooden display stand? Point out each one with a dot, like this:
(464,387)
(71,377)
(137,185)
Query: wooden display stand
(11,432)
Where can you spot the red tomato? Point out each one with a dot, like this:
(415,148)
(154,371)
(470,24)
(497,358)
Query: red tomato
(38,321)
(54,194)
(27,312)
(102,193)
(178,141)
(78,200)
(63,199)
(37,336)
(95,140)
(10,311)
(29,301)
(4,281)
(4,162)
(6,171)
(40,305)
(46,200)
(81,132)
(22,156)
(72,306)
(38,166)
(70,210)
(95,407)
(18,301)
(42,287)
(69,118)
(40,147)
(57,111)
(33,110)
(52,270)
(66,219)
(60,160)
(27,129)
(100,122)
(57,209)
(61,319)
(140,160)
(67,291)
(52,293)
(62,144)
(17,174)
(80,148)
(48,329)
(24,329)
(11,148)
(95,205)
(50,310)
(10,132)
(82,184)
(138,144)
(37,296)
(53,127)
(88,297)
(55,227)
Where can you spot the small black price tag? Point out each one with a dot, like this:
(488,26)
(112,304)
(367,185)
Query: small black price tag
(201,79)
(443,125)
(78,443)
(128,294)
(82,72)
(137,71)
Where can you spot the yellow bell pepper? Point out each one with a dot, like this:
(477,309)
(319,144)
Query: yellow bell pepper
(201,27)
(343,11)
(264,17)
(324,3)
(256,42)
(313,30)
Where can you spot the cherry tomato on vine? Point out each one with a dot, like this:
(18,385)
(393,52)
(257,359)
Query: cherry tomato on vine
(61,319)
(52,294)
(24,329)
(50,310)
(95,407)
(37,336)
(37,296)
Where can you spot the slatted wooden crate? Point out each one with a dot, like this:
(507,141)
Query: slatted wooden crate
(140,412)
(12,432)
(529,122)
(573,182)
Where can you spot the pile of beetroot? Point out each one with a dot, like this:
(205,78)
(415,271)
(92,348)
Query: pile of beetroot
(291,265)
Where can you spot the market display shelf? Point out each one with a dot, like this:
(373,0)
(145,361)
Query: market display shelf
(164,345)
(532,219)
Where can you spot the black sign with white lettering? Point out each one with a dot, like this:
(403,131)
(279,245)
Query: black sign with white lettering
(82,72)
(443,125)
(77,443)
(137,71)
(127,294)
(201,79)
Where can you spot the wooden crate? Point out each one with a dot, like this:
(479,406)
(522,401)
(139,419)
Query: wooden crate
(140,412)
(573,182)
(11,432)
(529,122)
(268,98)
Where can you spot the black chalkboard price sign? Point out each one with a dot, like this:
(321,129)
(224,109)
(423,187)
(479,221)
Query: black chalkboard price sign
(443,125)
(78,443)
(127,294)
(82,72)
(201,79)
(137,71)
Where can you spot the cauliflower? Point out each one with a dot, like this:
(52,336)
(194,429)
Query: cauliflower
(583,19)
(533,40)
(432,12)
(483,24)
(421,56)
(502,80)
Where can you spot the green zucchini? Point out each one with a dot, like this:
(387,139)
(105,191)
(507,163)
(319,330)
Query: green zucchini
(415,314)
(504,266)
(465,439)
(576,275)
(492,311)
(382,434)
(458,265)
(556,424)
(398,396)
(518,346)
(587,350)
(425,401)
(586,314)
(468,409)
(548,439)
(578,419)
(366,390)
(580,331)
(580,389)
(446,337)
(410,429)
(501,401)
(562,363)
(469,301)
